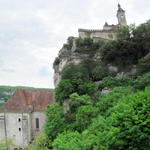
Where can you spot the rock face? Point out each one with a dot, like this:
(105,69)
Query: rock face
(70,55)
(66,57)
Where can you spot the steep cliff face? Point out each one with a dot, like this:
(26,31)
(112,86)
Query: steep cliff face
(77,49)
(68,56)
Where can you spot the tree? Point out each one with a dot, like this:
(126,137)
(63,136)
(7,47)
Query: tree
(76,101)
(63,90)
(68,141)
(132,118)
(144,65)
(55,122)
(141,38)
(84,116)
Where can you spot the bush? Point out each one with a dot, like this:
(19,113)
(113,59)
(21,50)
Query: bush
(144,65)
(98,73)
(56,62)
(41,142)
(131,118)
(84,116)
(105,103)
(63,90)
(120,53)
(111,82)
(86,46)
(69,44)
(76,101)
(142,81)
(68,141)
(55,122)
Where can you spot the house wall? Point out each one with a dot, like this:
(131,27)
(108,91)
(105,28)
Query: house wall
(17,127)
(41,116)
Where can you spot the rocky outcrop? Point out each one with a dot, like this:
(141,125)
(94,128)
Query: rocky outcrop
(66,57)
(71,55)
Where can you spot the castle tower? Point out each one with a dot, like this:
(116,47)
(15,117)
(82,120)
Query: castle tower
(121,16)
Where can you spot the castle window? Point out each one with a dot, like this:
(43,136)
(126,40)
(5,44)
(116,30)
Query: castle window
(19,119)
(37,123)
(19,129)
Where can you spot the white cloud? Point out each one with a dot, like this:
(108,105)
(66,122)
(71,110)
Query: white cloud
(33,31)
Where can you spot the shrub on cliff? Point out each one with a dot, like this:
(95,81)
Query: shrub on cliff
(111,82)
(142,81)
(144,65)
(69,44)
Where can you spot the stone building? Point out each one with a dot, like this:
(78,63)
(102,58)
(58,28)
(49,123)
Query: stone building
(22,117)
(107,33)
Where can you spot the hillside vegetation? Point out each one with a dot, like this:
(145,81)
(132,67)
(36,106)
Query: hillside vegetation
(117,119)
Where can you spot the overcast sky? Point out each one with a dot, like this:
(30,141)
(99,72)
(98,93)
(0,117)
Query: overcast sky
(33,31)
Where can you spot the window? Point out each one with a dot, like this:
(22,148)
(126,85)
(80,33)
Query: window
(37,123)
(19,129)
(19,119)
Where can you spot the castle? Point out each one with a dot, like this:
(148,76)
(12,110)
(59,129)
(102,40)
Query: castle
(71,56)
(107,33)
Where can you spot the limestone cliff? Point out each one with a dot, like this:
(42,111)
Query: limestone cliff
(68,56)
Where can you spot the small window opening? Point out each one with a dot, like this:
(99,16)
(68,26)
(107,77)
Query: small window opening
(19,129)
(37,123)
(19,119)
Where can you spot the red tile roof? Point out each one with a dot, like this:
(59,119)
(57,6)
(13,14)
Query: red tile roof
(29,100)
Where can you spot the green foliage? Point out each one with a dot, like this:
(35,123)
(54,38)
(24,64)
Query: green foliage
(68,141)
(111,82)
(84,116)
(97,135)
(1,104)
(76,101)
(41,142)
(117,120)
(120,53)
(75,79)
(131,45)
(144,65)
(55,122)
(75,72)
(6,144)
(141,39)
(131,117)
(63,90)
(105,103)
(123,33)
(87,46)
(56,61)
(98,73)
(142,81)
(69,44)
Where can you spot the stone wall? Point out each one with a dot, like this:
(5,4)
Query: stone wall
(17,127)
(97,34)
(20,127)
(41,116)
